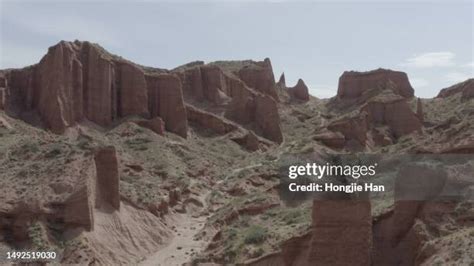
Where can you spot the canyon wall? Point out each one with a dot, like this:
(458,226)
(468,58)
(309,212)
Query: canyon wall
(77,81)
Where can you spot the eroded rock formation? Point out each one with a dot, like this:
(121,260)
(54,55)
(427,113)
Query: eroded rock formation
(341,227)
(379,120)
(167,102)
(282,80)
(466,88)
(107,184)
(80,80)
(299,91)
(3,85)
(259,76)
(155,124)
(209,121)
(396,114)
(354,84)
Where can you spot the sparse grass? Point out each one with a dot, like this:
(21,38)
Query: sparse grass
(139,144)
(35,233)
(55,151)
(255,235)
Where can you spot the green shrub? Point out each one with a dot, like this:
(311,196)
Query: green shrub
(255,235)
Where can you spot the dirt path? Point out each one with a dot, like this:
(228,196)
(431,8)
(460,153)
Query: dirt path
(183,246)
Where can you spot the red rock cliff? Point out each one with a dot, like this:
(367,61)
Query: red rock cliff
(80,80)
(353,84)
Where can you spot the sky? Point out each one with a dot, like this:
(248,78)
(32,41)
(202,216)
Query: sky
(432,41)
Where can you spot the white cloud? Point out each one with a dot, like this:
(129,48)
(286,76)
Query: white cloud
(419,82)
(455,77)
(434,59)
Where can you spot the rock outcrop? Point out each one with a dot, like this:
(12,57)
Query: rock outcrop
(155,124)
(353,129)
(259,76)
(192,82)
(267,118)
(99,86)
(354,84)
(209,121)
(249,141)
(58,79)
(248,106)
(204,82)
(341,227)
(466,89)
(78,209)
(3,91)
(392,112)
(282,81)
(396,114)
(132,90)
(166,98)
(419,110)
(80,80)
(213,84)
(331,139)
(299,91)
(107,183)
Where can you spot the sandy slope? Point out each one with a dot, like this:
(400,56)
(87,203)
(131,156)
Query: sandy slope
(184,244)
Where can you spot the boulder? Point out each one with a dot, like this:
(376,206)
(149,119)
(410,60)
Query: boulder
(299,91)
(259,76)
(249,141)
(381,137)
(159,209)
(155,124)
(167,102)
(353,84)
(132,90)
(107,180)
(174,196)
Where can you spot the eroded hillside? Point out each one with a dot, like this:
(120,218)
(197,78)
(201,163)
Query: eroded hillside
(109,162)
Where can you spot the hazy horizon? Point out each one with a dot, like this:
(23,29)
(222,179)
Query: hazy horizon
(315,41)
